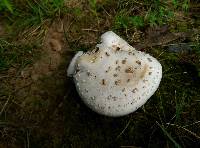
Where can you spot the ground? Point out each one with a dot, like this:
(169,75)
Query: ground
(39,105)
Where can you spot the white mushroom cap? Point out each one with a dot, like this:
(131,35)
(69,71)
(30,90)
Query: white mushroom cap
(115,79)
(113,41)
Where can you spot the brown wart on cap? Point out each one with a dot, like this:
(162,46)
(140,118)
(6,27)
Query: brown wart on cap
(103,82)
(115,75)
(117,48)
(107,54)
(124,61)
(138,62)
(129,70)
(118,68)
(117,83)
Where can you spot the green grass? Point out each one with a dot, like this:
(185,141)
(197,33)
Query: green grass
(26,14)
(154,13)
(25,22)
(17,55)
(55,115)
(6,5)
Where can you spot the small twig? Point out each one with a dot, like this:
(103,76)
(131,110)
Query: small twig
(178,44)
(1,77)
(137,2)
(66,38)
(167,69)
(69,26)
(171,120)
(159,116)
(168,135)
(106,11)
(190,132)
(89,29)
(124,129)
(160,54)
(197,122)
(3,108)
(92,42)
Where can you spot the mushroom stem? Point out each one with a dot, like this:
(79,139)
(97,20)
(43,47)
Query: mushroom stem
(72,67)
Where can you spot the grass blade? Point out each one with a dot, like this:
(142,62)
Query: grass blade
(169,136)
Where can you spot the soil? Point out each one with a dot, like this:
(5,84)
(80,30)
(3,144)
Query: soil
(45,109)
(2,31)
(41,90)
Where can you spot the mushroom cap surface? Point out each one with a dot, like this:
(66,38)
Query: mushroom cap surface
(115,79)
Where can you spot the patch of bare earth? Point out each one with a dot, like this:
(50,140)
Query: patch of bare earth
(34,89)
(38,91)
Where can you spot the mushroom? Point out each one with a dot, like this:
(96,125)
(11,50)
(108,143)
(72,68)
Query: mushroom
(115,79)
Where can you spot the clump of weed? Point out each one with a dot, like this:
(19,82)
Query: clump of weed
(26,14)
(6,5)
(25,24)
(138,14)
(13,54)
(124,21)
